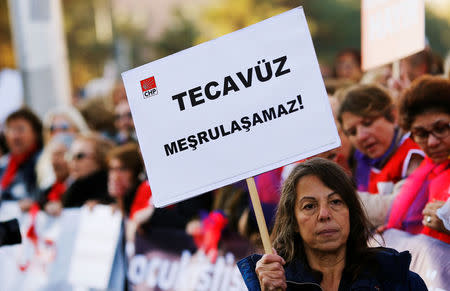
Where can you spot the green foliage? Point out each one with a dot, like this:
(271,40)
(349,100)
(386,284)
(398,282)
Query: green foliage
(86,54)
(178,36)
(334,24)
(437,31)
(6,49)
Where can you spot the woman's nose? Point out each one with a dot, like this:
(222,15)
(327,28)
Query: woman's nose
(361,133)
(324,212)
(432,141)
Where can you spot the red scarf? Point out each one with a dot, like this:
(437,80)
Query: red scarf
(15,161)
(56,191)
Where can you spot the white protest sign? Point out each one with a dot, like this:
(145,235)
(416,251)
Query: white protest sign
(391,30)
(43,261)
(231,108)
(95,247)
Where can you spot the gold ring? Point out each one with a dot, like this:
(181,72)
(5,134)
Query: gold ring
(428,219)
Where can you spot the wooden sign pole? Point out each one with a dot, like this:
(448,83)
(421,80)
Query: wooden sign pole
(259,215)
(396,70)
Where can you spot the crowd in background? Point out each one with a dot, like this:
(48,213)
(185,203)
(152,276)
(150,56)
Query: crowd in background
(395,135)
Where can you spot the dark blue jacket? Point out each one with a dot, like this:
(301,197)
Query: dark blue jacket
(24,184)
(392,274)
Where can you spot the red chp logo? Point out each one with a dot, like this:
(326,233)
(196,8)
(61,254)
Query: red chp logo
(149,87)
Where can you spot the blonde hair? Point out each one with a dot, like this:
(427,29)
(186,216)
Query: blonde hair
(69,112)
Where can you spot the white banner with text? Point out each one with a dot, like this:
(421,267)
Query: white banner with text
(231,108)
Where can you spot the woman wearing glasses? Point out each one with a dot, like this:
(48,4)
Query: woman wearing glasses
(65,120)
(88,171)
(425,111)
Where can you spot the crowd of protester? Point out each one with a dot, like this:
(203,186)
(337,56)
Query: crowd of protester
(395,135)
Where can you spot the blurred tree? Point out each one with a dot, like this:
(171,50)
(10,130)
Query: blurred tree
(437,30)
(334,24)
(6,47)
(178,36)
(87,55)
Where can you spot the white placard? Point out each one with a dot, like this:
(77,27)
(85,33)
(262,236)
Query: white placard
(95,246)
(250,101)
(391,30)
(10,210)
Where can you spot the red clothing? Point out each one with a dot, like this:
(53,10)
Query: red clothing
(14,163)
(395,169)
(439,189)
(269,186)
(56,191)
(428,183)
(142,198)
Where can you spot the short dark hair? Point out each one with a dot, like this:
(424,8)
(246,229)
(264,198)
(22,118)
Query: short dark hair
(130,157)
(424,57)
(35,122)
(367,101)
(355,53)
(285,236)
(426,94)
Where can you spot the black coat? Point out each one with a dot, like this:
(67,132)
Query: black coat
(24,184)
(389,271)
(92,187)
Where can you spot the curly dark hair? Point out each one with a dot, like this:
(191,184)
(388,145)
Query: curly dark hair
(285,236)
(426,94)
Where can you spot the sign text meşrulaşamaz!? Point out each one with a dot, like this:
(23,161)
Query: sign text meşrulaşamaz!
(213,90)
(228,109)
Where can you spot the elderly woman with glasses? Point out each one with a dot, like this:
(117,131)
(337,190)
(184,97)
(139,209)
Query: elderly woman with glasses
(425,110)
(88,171)
(66,120)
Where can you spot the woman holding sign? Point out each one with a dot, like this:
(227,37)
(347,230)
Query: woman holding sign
(320,237)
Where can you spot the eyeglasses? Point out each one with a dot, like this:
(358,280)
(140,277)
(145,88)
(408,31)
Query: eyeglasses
(77,156)
(439,130)
(62,127)
(124,115)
